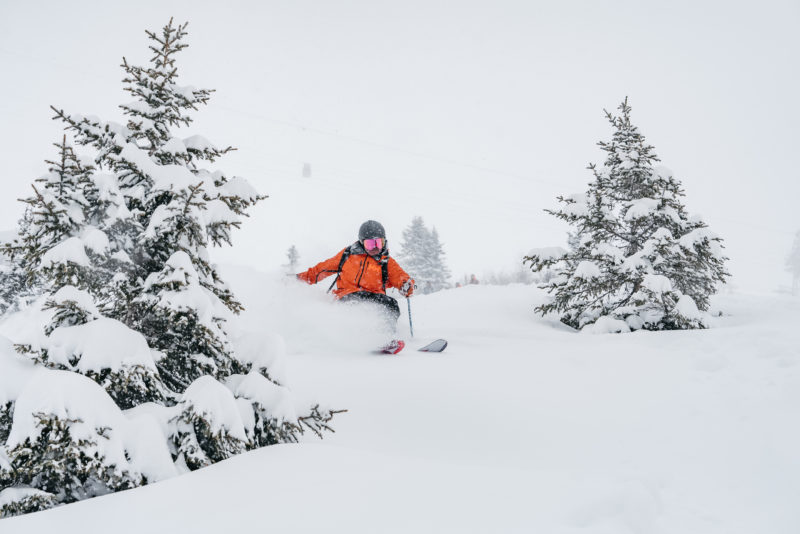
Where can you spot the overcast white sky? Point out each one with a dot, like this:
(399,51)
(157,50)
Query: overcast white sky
(474,115)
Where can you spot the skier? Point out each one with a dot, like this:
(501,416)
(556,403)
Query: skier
(364,271)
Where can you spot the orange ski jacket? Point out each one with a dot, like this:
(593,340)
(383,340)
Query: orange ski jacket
(360,272)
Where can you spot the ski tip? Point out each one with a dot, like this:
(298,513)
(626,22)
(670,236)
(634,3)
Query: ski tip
(436,346)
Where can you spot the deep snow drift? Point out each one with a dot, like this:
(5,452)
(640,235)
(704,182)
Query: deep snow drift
(522,425)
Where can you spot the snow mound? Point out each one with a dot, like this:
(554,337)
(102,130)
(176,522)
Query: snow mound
(197,142)
(101,344)
(273,398)
(146,442)
(238,186)
(686,307)
(10,495)
(216,404)
(606,325)
(657,283)
(68,251)
(78,296)
(94,239)
(640,208)
(587,270)
(166,177)
(69,396)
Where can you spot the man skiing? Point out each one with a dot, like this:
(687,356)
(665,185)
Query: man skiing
(364,271)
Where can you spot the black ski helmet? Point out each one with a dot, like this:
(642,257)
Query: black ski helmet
(371,230)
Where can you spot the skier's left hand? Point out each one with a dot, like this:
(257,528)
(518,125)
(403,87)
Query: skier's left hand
(408,288)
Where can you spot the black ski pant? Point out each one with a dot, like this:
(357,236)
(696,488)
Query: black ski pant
(388,305)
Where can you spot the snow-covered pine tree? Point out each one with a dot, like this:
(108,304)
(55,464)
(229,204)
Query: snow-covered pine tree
(127,296)
(441,273)
(293,256)
(422,255)
(172,294)
(793,264)
(637,260)
(414,248)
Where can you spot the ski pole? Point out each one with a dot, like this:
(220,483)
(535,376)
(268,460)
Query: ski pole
(410,323)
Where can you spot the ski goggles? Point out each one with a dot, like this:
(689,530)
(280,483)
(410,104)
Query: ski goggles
(372,244)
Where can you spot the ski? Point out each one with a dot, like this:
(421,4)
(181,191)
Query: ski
(393,347)
(396,345)
(436,346)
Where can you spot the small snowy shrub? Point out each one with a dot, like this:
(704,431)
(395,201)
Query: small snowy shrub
(635,254)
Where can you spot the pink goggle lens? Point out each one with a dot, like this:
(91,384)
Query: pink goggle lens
(372,244)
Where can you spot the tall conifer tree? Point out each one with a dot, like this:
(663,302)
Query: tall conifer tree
(116,257)
(171,293)
(636,258)
(423,256)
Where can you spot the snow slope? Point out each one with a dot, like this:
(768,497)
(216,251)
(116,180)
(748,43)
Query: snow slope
(520,426)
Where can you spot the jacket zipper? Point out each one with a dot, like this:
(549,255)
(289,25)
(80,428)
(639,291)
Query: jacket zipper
(361,273)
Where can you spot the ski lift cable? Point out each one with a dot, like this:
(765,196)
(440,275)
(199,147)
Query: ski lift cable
(446,197)
(522,206)
(509,212)
(444,193)
(451,161)
(301,127)
(384,146)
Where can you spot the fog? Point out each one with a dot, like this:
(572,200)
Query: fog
(473,115)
